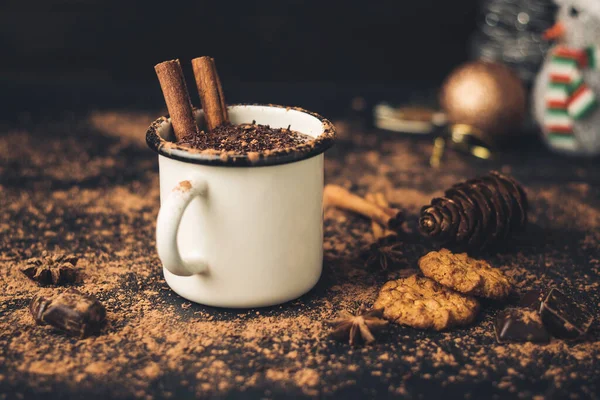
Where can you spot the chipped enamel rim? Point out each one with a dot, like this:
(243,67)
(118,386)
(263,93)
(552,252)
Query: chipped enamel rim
(226,159)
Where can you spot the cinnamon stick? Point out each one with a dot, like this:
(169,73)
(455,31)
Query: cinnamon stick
(177,98)
(337,196)
(375,227)
(210,91)
(381,201)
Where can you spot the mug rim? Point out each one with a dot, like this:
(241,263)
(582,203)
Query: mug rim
(284,156)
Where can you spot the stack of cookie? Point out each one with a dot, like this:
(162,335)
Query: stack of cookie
(445,296)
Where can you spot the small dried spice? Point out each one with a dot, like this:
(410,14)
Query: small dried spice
(55,269)
(358,328)
(384,252)
(73,312)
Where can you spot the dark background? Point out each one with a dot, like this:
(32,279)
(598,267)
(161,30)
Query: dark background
(102,53)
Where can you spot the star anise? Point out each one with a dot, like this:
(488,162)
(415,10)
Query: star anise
(57,269)
(358,328)
(384,252)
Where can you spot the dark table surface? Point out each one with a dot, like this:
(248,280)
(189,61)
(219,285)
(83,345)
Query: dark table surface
(85,183)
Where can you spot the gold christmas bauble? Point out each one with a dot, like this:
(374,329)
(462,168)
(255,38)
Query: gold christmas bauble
(487,97)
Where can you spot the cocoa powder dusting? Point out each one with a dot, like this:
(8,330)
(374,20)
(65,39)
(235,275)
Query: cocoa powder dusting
(98,199)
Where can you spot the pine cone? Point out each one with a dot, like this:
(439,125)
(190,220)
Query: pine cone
(477,213)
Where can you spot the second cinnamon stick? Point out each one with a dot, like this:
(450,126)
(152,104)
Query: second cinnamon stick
(210,92)
(375,227)
(381,201)
(337,196)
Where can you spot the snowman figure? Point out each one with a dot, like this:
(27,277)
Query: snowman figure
(566,95)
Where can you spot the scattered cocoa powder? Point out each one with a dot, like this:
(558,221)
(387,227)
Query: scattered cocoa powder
(98,198)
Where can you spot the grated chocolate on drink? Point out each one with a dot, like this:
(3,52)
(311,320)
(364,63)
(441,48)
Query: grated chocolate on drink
(245,138)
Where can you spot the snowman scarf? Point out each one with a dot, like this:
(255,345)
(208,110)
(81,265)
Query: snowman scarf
(568,98)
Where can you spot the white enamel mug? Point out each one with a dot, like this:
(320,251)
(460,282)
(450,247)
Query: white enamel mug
(236,233)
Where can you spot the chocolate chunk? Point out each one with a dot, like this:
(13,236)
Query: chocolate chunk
(563,317)
(71,311)
(520,325)
(532,299)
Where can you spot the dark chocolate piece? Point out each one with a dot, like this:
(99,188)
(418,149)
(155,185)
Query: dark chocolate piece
(563,317)
(71,311)
(532,299)
(520,325)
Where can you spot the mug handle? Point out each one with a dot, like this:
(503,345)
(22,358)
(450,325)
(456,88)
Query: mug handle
(167,226)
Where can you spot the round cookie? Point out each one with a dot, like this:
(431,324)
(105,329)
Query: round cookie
(422,303)
(464,274)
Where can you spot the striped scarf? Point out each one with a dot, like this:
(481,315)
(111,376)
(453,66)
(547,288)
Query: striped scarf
(568,97)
